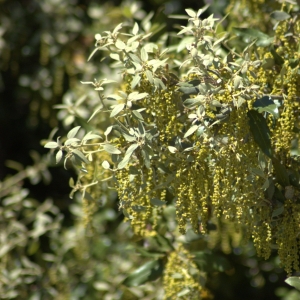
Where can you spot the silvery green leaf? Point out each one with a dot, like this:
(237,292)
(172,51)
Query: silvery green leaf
(90,157)
(135,58)
(51,145)
(219,40)
(135,29)
(128,138)
(135,81)
(189,148)
(137,115)
(200,111)
(111,149)
(123,94)
(79,155)
(183,292)
(115,97)
(156,63)
(172,149)
(185,41)
(135,96)
(107,81)
(72,141)
(234,64)
(144,54)
(191,13)
(80,100)
(95,112)
(244,68)
(191,102)
(105,165)
(131,149)
(216,103)
(90,135)
(149,76)
(58,156)
(240,102)
(279,15)
(122,164)
(118,108)
(192,116)
(146,35)
(158,83)
(115,56)
(108,130)
(117,28)
(237,82)
(133,39)
(151,47)
(163,52)
(91,55)
(120,44)
(191,131)
(202,10)
(200,131)
(133,46)
(73,132)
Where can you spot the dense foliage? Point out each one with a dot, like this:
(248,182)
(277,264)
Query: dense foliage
(193,136)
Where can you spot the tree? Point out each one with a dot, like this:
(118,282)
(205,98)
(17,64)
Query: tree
(197,132)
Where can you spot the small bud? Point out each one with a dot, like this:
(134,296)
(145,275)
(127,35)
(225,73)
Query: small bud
(129,104)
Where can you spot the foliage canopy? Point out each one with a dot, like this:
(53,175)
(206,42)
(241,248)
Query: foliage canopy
(196,132)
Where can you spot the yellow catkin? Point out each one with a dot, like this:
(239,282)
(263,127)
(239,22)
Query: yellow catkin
(288,237)
(181,274)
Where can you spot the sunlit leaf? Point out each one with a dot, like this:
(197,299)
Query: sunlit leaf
(191,13)
(191,130)
(118,108)
(90,136)
(294,282)
(71,141)
(58,156)
(105,164)
(111,149)
(135,81)
(127,156)
(73,132)
(51,145)
(120,44)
